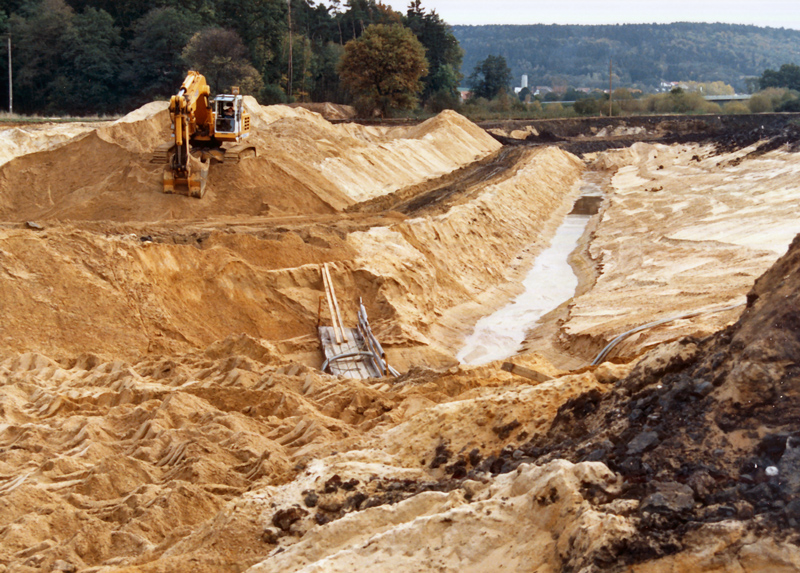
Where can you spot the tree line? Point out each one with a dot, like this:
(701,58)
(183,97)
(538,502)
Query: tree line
(643,54)
(87,57)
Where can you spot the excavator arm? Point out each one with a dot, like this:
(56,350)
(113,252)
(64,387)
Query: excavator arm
(190,114)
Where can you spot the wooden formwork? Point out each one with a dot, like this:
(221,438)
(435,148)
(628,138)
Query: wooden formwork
(349,352)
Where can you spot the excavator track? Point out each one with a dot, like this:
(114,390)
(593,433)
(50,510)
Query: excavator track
(238,152)
(162,153)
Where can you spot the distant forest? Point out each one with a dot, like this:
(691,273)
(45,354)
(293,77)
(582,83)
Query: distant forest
(643,54)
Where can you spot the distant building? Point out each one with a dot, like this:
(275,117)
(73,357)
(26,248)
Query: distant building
(523,84)
(668,86)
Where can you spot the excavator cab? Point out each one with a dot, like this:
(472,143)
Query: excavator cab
(232,122)
(228,112)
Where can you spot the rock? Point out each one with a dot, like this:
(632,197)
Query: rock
(34,226)
(643,442)
(354,501)
(595,455)
(703,388)
(61,565)
(311,499)
(270,536)
(744,510)
(333,484)
(284,518)
(759,493)
(669,497)
(789,467)
(792,510)
(702,483)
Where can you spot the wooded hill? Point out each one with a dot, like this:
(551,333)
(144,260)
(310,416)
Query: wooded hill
(643,54)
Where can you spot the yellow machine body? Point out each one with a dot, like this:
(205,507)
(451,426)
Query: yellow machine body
(200,127)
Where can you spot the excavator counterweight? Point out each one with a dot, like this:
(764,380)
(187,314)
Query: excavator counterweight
(201,126)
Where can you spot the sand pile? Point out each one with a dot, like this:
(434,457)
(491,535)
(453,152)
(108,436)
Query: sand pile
(306,166)
(68,291)
(683,228)
(219,457)
(33,138)
(330,111)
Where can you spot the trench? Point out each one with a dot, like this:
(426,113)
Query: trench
(550,282)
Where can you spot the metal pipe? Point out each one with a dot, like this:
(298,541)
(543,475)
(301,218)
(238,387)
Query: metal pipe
(342,357)
(610,346)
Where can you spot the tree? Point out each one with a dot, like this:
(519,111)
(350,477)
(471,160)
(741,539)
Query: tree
(361,14)
(93,65)
(40,32)
(490,77)
(221,56)
(442,51)
(382,68)
(787,77)
(154,67)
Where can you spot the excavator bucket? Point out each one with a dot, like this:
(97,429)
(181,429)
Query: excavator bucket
(192,182)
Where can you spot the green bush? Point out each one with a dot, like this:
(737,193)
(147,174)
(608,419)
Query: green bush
(633,106)
(553,110)
(587,107)
(735,108)
(272,94)
(760,103)
(792,105)
(442,100)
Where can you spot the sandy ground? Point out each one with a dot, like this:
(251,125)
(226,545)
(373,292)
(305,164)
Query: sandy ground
(682,229)
(161,406)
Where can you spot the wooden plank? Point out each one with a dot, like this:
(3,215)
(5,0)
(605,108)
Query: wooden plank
(534,375)
(335,300)
(337,335)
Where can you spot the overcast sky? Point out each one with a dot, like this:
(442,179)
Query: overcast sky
(775,13)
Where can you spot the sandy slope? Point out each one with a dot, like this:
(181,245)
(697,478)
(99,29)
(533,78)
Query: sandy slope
(682,229)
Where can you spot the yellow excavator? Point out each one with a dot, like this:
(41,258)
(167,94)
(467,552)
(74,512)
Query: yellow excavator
(200,126)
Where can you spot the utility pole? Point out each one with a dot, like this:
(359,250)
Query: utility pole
(289,87)
(10,80)
(610,86)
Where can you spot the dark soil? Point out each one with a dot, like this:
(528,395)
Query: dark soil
(726,132)
(436,196)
